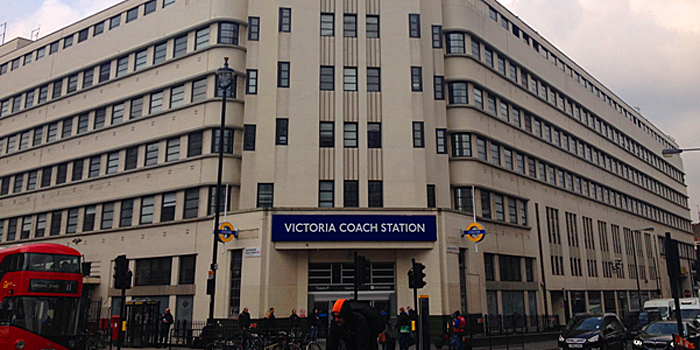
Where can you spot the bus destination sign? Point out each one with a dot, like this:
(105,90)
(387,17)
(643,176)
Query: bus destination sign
(53,286)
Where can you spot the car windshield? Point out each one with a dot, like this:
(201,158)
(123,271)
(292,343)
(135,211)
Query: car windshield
(586,324)
(662,329)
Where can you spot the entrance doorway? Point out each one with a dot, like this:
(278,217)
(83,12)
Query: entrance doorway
(323,302)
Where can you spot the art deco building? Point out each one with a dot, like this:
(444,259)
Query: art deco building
(354,125)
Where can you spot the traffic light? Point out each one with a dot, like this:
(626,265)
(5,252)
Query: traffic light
(122,274)
(416,276)
(362,270)
(411,279)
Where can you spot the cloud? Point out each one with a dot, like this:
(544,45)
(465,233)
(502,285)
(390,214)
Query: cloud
(645,51)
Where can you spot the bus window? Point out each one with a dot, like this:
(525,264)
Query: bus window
(52,263)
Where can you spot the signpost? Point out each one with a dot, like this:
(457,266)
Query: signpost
(227,232)
(475,233)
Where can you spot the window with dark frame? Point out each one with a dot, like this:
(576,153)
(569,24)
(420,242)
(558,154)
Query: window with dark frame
(327,78)
(126,214)
(199,90)
(326,194)
(265,195)
(151,154)
(68,41)
(253,28)
(350,25)
(153,272)
(485,204)
(439,87)
(104,72)
(351,197)
(187,269)
(201,38)
(77,170)
(251,83)
(172,150)
(132,14)
(350,135)
(228,141)
(56,223)
(374,135)
(194,144)
(327,24)
(418,135)
(147,209)
(432,199)
(112,162)
(326,135)
(141,59)
(441,141)
(167,211)
(131,158)
(463,199)
(285,20)
(107,216)
(191,203)
(350,79)
(437,36)
(376,194)
(88,75)
(83,35)
(94,166)
(414,25)
(180,46)
(283,74)
(150,7)
(281,131)
(416,79)
(249,137)
(159,52)
(115,21)
(212,199)
(372,26)
(374,80)
(98,29)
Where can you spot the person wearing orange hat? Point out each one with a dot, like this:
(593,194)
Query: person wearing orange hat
(350,327)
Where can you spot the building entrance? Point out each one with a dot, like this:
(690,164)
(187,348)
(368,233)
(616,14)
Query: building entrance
(323,302)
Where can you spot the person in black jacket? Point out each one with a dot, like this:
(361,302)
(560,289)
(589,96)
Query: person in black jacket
(294,323)
(166,321)
(313,323)
(350,327)
(244,319)
(404,325)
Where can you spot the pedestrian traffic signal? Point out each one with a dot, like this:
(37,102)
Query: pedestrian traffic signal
(122,274)
(362,270)
(416,276)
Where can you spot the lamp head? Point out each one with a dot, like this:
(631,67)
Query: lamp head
(225,75)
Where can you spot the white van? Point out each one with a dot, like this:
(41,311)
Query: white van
(664,306)
(690,307)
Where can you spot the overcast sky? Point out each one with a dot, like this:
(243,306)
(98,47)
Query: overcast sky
(646,51)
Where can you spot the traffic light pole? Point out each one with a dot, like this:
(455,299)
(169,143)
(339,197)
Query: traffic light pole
(356,279)
(120,333)
(415,303)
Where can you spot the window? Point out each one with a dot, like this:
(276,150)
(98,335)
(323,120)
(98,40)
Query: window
(83,121)
(440,141)
(461,145)
(251,85)
(19,183)
(83,35)
(327,24)
(72,222)
(327,78)
(458,93)
(373,80)
(180,46)
(56,223)
(11,229)
(104,71)
(491,104)
(350,135)
(418,135)
(177,96)
(376,196)
(228,141)
(488,56)
(414,25)
(61,173)
(5,107)
(16,103)
(463,199)
(510,268)
(40,226)
(68,41)
(88,218)
(160,51)
(45,179)
(481,149)
(372,27)
(66,128)
(31,182)
(140,62)
(11,141)
(439,87)
(325,194)
(15,64)
(150,7)
(151,154)
(87,77)
(432,200)
(265,195)
(168,210)
(281,131)
(55,93)
(501,65)
(191,203)
(498,201)
(350,79)
(495,154)
(53,47)
(416,79)
(199,90)
(43,96)
(168,3)
(147,210)
(374,135)
(27,227)
(24,140)
(485,204)
(131,158)
(107,216)
(117,113)
(253,28)
(112,162)
(489,269)
(156,102)
(326,134)
(285,20)
(5,186)
(249,137)
(476,49)
(173,149)
(187,268)
(94,166)
(29,99)
(194,144)
(504,112)
(77,170)
(478,98)
(437,37)
(98,29)
(201,38)
(283,74)
(212,199)
(132,14)
(350,26)
(351,194)
(72,83)
(512,211)
(153,272)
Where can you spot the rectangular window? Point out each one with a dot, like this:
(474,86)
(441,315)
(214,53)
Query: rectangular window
(191,203)
(24,140)
(55,92)
(5,186)
(94,166)
(491,104)
(372,27)
(376,195)
(61,173)
(414,25)
(350,26)
(194,144)
(132,14)
(374,135)
(351,194)
(461,145)
(153,272)
(418,135)
(488,56)
(131,158)
(180,46)
(199,90)
(283,74)
(122,66)
(56,223)
(17,102)
(495,154)
(228,33)
(476,49)
(107,216)
(40,226)
(83,121)
(281,131)
(88,74)
(481,149)
(265,195)
(187,269)
(100,115)
(325,194)
(523,212)
(26,227)
(212,199)
(350,135)
(416,79)
(11,141)
(151,154)
(177,96)
(117,113)
(501,65)
(510,268)
(167,212)
(253,28)
(500,210)
(512,211)
(19,183)
(251,83)
(228,141)
(458,93)
(327,24)
(455,43)
(31,182)
(150,7)
(230,89)
(141,60)
(350,79)
(45,178)
(147,204)
(373,79)
(43,96)
(72,83)
(489,269)
(440,141)
(77,170)
(463,199)
(285,20)
(72,222)
(98,29)
(29,99)
(327,78)
(249,137)
(112,162)
(432,199)
(437,37)
(53,47)
(168,3)
(5,107)
(68,41)
(201,39)
(173,149)
(485,204)
(439,87)
(66,128)
(326,134)
(478,98)
(504,112)
(160,51)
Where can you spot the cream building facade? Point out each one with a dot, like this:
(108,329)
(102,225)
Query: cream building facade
(402,123)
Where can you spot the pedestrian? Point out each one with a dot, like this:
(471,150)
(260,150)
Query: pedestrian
(314,320)
(351,327)
(459,326)
(294,323)
(166,321)
(404,326)
(244,320)
(389,334)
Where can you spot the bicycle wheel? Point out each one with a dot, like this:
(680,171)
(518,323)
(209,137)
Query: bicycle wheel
(214,346)
(313,346)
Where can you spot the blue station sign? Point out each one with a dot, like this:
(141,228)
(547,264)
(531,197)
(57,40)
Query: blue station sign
(381,228)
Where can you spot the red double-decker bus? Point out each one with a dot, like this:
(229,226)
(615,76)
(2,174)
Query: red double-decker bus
(40,290)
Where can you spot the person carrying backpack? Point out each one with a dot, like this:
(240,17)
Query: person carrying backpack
(460,329)
(356,324)
(404,325)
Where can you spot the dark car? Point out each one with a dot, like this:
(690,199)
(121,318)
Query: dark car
(634,321)
(599,332)
(659,335)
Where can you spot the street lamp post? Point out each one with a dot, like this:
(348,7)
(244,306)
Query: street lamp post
(669,152)
(224,79)
(636,267)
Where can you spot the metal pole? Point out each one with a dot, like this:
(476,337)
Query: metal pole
(357,273)
(214,266)
(120,333)
(672,254)
(636,272)
(415,304)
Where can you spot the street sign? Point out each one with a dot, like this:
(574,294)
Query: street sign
(475,232)
(227,232)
